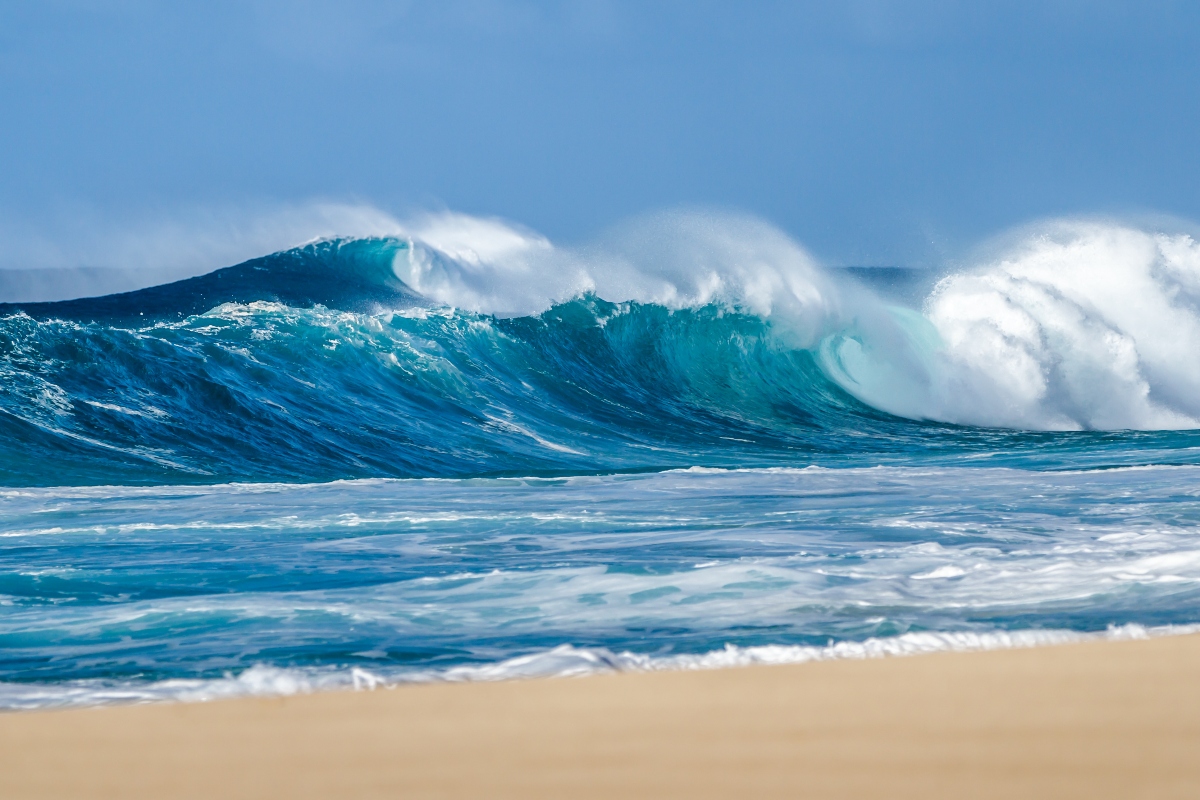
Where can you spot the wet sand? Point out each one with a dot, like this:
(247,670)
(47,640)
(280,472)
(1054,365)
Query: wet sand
(1094,720)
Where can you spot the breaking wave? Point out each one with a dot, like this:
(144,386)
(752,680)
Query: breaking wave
(465,346)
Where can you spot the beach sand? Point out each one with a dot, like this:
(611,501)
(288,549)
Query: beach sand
(1091,720)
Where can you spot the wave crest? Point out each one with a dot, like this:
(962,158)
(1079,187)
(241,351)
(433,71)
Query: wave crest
(675,260)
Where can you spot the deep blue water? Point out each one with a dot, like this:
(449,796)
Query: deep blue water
(301,467)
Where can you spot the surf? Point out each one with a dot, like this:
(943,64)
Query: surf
(467,347)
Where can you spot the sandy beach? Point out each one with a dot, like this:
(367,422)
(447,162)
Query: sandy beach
(1097,720)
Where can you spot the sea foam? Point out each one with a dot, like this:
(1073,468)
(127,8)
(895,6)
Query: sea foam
(1084,325)
(564,661)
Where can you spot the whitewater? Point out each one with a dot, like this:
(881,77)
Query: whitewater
(450,449)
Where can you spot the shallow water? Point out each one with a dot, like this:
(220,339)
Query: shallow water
(125,585)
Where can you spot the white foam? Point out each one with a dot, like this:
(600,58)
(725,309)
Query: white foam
(560,662)
(1080,325)
(1086,325)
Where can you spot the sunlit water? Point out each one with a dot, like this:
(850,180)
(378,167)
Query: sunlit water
(342,465)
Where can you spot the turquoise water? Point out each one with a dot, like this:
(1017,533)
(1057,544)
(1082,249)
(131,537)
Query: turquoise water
(319,468)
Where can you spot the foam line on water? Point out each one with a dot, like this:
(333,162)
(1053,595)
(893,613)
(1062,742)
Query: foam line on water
(564,661)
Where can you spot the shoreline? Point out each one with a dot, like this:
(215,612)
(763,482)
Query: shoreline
(1101,718)
(563,661)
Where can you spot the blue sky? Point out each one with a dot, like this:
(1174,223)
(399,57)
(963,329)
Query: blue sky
(873,132)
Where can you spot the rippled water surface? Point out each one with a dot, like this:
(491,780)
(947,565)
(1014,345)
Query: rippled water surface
(113,585)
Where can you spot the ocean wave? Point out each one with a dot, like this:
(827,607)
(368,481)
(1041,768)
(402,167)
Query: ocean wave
(472,347)
(263,391)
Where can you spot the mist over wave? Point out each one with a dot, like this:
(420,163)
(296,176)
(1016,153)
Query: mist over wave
(459,346)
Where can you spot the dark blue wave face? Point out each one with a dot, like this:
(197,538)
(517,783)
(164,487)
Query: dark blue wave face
(318,364)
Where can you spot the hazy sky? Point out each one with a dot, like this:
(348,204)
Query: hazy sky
(873,132)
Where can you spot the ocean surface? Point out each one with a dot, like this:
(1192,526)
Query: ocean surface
(461,452)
